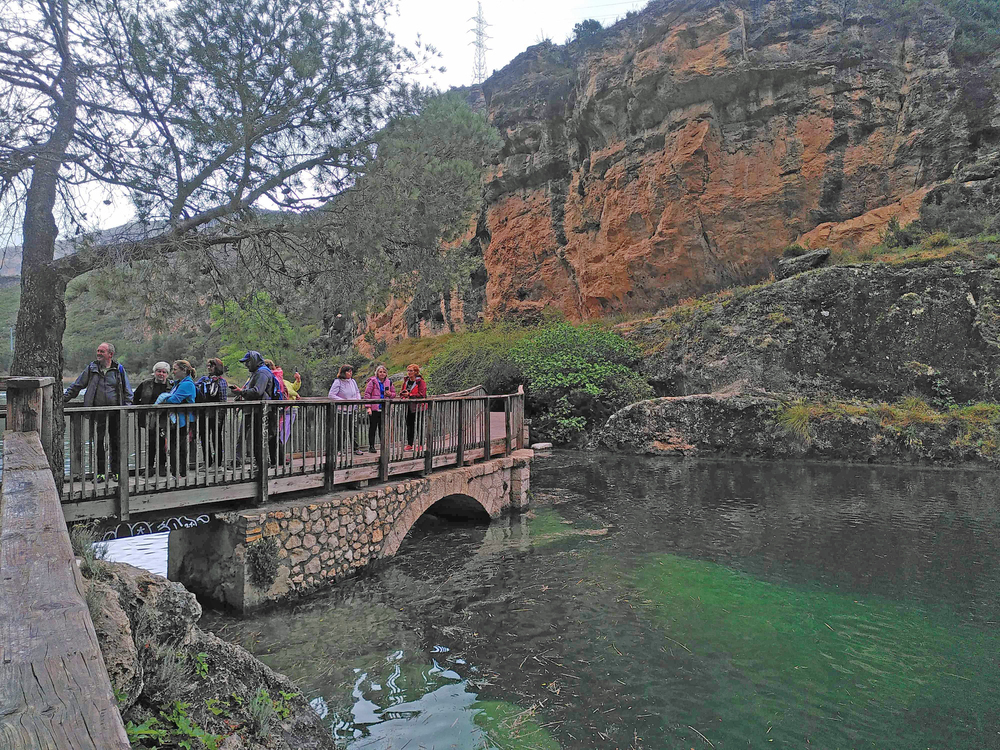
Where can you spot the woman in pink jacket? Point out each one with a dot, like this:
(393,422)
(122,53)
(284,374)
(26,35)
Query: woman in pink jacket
(379,386)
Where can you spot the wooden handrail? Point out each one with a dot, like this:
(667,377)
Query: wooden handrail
(241,452)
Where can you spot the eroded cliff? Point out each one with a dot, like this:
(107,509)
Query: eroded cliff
(680,150)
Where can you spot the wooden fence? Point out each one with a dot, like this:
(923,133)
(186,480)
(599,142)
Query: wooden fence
(139,459)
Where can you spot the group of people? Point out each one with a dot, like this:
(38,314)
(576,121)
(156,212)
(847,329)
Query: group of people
(379,386)
(105,383)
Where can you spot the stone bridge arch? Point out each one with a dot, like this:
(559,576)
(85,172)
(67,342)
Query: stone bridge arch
(313,542)
(493,490)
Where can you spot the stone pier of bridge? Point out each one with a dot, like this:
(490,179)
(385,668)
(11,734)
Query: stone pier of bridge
(247,559)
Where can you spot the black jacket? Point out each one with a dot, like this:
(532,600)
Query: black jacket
(146,393)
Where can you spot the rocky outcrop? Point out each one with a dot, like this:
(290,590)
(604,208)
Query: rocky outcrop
(800,263)
(157,655)
(680,150)
(762,425)
(870,330)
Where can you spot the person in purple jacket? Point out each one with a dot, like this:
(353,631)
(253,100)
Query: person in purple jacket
(345,388)
(379,386)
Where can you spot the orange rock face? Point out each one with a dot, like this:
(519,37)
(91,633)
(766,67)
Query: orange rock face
(683,150)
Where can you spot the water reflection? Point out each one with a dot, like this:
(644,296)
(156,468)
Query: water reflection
(651,603)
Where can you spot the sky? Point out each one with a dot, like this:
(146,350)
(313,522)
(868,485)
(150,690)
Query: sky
(514,26)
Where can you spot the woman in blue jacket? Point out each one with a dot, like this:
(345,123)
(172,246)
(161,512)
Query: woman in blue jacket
(183,392)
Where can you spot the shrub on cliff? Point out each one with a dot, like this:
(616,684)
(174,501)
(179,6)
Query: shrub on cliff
(575,377)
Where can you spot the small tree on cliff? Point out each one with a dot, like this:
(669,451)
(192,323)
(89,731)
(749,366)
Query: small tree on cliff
(586,30)
(200,112)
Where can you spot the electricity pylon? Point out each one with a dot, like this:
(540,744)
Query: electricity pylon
(479,65)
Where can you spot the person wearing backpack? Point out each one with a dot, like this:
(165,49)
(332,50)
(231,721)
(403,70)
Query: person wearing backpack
(104,383)
(260,386)
(156,429)
(212,389)
(379,386)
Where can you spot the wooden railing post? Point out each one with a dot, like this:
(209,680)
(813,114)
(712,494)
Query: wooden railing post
(460,452)
(507,426)
(429,440)
(487,448)
(29,408)
(264,464)
(330,467)
(385,448)
(124,440)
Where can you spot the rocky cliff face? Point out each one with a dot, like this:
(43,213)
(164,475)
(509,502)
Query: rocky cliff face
(682,149)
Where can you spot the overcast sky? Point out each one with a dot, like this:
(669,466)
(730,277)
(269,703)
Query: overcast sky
(514,26)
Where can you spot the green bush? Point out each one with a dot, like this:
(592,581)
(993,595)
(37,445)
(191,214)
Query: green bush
(574,377)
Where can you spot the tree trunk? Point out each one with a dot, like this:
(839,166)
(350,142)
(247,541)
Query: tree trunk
(41,319)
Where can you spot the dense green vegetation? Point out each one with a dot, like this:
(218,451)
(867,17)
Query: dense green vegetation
(575,377)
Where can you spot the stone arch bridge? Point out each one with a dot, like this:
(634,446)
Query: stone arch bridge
(249,558)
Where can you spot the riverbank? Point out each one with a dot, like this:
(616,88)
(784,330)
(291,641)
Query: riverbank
(176,683)
(762,425)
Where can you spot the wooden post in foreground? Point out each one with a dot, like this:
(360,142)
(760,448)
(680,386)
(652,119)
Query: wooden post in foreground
(29,408)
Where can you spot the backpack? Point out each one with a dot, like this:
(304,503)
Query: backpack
(277,389)
(206,391)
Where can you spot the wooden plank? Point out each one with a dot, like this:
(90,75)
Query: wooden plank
(54,687)
(192,497)
(406,467)
(295,483)
(445,459)
(357,474)
(88,510)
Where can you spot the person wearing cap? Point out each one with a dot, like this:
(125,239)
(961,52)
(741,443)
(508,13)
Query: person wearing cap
(258,387)
(146,393)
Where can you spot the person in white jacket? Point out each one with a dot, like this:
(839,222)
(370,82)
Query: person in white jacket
(345,388)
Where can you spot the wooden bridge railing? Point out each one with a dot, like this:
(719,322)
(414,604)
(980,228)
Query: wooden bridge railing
(139,459)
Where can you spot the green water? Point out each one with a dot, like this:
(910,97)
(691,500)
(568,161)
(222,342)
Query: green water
(649,603)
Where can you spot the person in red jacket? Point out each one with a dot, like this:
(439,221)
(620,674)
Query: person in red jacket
(413,387)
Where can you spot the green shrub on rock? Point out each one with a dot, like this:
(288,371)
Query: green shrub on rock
(574,377)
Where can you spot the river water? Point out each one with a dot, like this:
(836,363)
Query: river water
(658,603)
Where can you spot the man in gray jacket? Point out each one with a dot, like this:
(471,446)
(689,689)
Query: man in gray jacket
(259,387)
(104,383)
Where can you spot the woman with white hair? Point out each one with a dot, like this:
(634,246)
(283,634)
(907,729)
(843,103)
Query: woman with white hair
(146,393)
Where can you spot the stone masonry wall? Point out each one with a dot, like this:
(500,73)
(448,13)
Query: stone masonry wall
(318,541)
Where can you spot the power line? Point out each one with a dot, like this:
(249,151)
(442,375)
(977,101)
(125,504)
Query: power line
(479,64)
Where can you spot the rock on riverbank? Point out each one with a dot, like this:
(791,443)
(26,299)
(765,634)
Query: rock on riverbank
(172,677)
(769,426)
